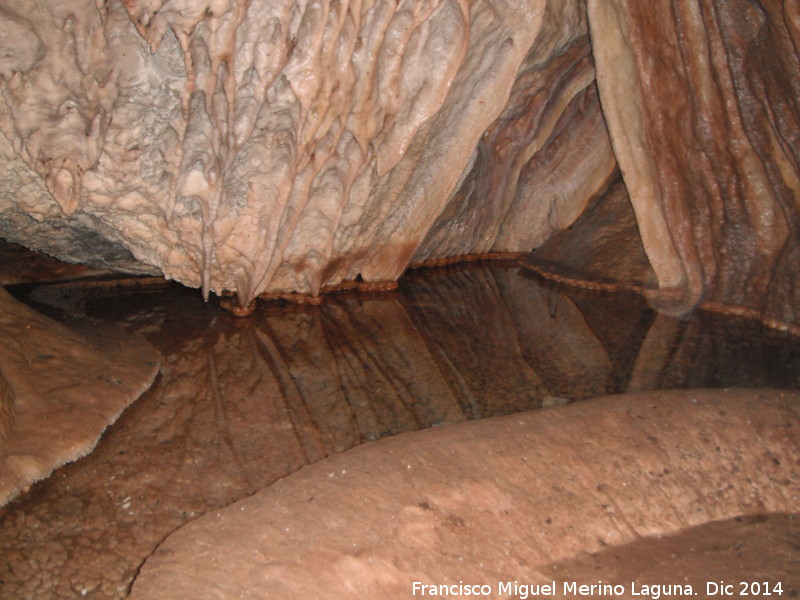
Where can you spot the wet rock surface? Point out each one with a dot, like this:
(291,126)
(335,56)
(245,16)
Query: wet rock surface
(60,389)
(702,104)
(269,146)
(242,403)
(288,147)
(601,250)
(20,265)
(272,148)
(495,500)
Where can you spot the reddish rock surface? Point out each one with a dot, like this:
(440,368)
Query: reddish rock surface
(20,265)
(492,501)
(759,551)
(601,250)
(523,182)
(241,403)
(702,101)
(59,390)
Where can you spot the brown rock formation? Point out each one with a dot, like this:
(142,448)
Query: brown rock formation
(263,147)
(702,101)
(242,403)
(59,391)
(20,265)
(762,547)
(522,183)
(601,250)
(492,501)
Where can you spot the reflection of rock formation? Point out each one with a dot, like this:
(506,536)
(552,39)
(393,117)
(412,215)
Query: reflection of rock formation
(495,500)
(59,391)
(20,265)
(242,403)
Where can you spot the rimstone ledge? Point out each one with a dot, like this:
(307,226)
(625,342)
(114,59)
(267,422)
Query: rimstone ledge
(284,148)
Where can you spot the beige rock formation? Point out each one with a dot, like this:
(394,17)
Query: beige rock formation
(272,146)
(60,390)
(279,147)
(492,501)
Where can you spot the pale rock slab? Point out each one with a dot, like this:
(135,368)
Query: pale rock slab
(491,501)
(60,390)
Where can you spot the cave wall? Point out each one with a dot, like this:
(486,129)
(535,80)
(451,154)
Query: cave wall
(267,146)
(273,147)
(702,101)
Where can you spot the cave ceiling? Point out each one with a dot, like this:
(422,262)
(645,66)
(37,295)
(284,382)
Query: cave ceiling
(268,147)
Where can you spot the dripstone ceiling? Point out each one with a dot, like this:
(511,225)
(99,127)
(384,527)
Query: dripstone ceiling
(278,146)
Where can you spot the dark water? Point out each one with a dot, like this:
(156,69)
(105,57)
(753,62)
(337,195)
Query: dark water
(480,339)
(240,403)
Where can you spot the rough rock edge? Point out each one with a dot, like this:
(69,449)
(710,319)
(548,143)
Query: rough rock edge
(124,371)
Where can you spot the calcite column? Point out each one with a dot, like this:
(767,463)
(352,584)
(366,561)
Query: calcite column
(702,101)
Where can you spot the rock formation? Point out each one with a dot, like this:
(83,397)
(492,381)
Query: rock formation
(702,101)
(60,390)
(271,146)
(278,147)
(240,403)
(495,500)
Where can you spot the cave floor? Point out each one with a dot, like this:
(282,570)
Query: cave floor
(241,403)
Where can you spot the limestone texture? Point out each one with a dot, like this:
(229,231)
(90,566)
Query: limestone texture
(271,146)
(292,147)
(602,249)
(702,101)
(59,390)
(492,501)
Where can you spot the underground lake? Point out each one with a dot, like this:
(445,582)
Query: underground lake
(240,403)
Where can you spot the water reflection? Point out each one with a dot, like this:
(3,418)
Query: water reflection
(6,408)
(451,344)
(243,402)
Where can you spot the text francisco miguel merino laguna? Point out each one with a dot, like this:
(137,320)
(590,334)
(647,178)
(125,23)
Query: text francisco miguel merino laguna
(569,588)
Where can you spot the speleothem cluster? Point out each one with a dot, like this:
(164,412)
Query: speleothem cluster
(280,146)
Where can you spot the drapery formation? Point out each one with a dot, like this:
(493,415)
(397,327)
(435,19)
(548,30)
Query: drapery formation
(275,147)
